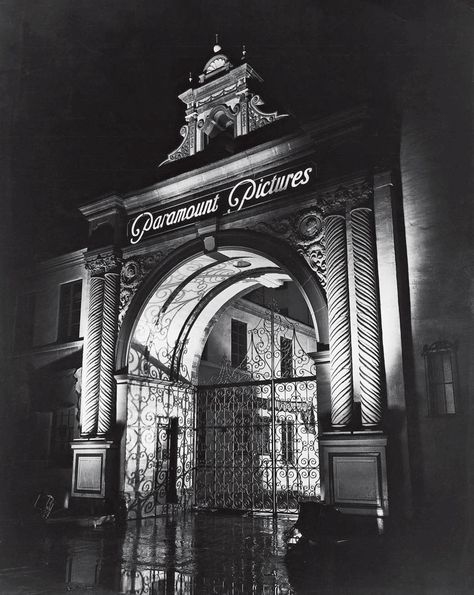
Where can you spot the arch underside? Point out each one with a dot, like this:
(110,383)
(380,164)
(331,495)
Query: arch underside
(189,299)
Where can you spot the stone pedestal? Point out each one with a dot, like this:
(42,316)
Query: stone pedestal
(354,472)
(94,473)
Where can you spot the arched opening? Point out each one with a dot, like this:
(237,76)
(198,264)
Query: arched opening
(218,129)
(222,384)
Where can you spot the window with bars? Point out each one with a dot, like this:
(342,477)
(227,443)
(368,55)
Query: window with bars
(287,441)
(440,370)
(286,362)
(239,344)
(25,321)
(69,311)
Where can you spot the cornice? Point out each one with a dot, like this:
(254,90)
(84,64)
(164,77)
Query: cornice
(105,205)
(252,161)
(242,72)
(59,262)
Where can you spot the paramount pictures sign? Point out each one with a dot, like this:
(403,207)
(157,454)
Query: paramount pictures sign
(243,194)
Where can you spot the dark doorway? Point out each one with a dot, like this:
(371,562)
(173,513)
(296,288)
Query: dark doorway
(171,493)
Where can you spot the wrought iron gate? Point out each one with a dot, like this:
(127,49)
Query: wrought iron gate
(257,443)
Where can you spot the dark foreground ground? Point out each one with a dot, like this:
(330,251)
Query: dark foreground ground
(211,553)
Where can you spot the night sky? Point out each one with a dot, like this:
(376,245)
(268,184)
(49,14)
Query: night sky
(89,99)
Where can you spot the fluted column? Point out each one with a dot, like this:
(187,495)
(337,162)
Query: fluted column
(90,395)
(368,326)
(339,321)
(109,336)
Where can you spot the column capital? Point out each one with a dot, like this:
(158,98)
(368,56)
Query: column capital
(99,263)
(342,198)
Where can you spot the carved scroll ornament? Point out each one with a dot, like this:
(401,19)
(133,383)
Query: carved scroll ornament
(134,270)
(257,117)
(303,231)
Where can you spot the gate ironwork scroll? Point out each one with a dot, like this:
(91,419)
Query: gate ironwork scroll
(257,445)
(159,447)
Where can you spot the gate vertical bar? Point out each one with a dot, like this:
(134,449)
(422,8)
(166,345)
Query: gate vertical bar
(194,437)
(273,412)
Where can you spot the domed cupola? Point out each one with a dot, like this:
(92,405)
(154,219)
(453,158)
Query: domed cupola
(223,103)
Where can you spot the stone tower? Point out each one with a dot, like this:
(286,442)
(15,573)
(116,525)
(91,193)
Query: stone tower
(225,102)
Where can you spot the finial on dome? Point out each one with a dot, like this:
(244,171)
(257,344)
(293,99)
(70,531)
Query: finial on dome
(244,53)
(217,48)
(190,78)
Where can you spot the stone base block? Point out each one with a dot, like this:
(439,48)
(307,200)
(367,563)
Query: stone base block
(94,469)
(354,472)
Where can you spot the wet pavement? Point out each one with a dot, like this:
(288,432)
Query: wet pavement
(224,554)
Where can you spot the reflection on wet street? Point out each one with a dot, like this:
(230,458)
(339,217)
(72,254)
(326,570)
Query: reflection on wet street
(211,553)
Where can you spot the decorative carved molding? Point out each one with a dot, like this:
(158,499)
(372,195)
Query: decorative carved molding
(309,241)
(192,135)
(100,264)
(183,149)
(346,197)
(134,270)
(257,117)
(219,94)
(218,64)
(303,231)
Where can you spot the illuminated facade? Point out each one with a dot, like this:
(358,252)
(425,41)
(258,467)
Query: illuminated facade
(345,409)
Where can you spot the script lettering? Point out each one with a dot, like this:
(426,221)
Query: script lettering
(241,195)
(139,228)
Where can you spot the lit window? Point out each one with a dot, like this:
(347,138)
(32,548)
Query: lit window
(440,367)
(70,311)
(287,440)
(239,344)
(286,363)
(25,321)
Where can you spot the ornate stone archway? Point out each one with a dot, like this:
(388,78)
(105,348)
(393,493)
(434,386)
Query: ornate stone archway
(263,201)
(168,331)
